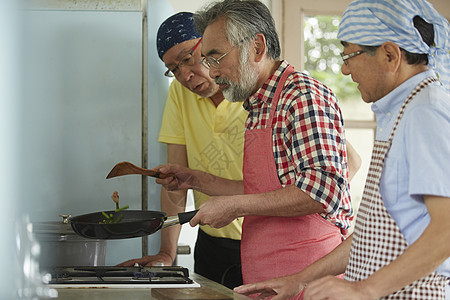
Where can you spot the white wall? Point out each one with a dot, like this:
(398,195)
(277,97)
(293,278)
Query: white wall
(9,158)
(81,113)
(82,72)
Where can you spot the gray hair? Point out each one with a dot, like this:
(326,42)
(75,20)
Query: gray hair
(244,19)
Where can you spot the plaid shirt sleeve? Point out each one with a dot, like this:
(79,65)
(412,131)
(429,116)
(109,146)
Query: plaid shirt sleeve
(312,141)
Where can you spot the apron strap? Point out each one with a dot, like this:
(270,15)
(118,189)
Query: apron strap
(273,107)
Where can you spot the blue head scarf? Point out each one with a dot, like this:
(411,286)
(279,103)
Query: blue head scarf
(175,30)
(373,22)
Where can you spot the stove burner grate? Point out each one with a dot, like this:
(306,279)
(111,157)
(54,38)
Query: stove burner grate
(120,275)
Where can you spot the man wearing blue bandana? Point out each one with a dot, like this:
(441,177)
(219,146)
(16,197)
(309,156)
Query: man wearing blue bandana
(397,51)
(203,132)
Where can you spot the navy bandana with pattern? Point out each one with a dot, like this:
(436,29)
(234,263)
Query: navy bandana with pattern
(175,30)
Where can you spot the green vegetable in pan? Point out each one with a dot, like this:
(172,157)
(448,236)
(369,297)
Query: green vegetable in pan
(111,217)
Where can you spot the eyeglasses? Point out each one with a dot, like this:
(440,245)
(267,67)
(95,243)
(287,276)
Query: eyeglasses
(209,61)
(187,60)
(345,57)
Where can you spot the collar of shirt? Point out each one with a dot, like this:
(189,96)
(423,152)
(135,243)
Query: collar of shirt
(267,90)
(387,108)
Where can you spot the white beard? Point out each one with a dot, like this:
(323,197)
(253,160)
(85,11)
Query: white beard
(238,92)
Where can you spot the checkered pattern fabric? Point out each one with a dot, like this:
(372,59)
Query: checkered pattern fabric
(377,240)
(308,140)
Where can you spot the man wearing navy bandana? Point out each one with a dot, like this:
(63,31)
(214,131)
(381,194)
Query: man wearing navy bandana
(398,53)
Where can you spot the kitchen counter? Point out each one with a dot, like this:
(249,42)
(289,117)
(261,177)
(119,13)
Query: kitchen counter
(206,285)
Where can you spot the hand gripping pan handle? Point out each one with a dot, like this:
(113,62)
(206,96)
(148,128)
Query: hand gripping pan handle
(182,218)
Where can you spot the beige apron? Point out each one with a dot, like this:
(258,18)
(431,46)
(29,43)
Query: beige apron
(377,240)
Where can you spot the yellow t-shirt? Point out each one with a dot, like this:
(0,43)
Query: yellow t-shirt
(214,139)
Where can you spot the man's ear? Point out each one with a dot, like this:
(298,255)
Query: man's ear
(392,55)
(259,46)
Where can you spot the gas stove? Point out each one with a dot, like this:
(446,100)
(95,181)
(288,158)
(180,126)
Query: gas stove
(120,277)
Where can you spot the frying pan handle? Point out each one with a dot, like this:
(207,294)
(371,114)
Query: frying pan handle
(186,216)
(180,219)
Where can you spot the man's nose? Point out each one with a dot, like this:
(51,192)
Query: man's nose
(213,72)
(345,69)
(186,72)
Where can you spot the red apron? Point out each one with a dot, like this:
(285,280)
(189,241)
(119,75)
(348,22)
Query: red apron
(277,246)
(377,240)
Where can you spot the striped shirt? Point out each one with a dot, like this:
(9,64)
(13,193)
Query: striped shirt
(308,141)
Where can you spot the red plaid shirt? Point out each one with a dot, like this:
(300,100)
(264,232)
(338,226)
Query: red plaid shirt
(308,140)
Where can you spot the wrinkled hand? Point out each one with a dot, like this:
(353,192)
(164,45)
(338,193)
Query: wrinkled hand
(216,212)
(282,287)
(332,288)
(184,177)
(150,260)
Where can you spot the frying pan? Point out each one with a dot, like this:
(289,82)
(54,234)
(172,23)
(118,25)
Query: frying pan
(134,223)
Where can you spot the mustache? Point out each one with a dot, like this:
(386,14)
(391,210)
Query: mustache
(222,81)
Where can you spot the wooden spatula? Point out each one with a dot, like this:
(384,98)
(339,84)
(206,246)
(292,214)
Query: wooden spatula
(127,168)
